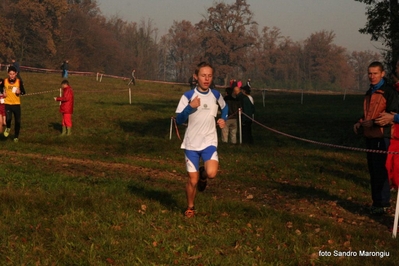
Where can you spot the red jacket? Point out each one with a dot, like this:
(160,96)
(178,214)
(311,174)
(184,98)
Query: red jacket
(66,100)
(392,163)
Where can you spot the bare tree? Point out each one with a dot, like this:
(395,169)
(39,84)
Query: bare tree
(224,34)
(359,62)
(325,62)
(182,48)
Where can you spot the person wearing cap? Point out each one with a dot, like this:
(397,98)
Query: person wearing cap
(12,88)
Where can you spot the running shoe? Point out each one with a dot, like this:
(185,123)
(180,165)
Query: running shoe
(190,212)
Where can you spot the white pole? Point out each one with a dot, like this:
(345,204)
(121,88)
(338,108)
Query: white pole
(130,95)
(395,223)
(239,124)
(101,78)
(171,128)
(97,77)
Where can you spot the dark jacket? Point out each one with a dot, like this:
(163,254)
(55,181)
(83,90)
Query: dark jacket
(65,66)
(384,99)
(247,107)
(234,104)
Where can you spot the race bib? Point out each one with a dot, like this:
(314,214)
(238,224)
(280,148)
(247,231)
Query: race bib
(14,89)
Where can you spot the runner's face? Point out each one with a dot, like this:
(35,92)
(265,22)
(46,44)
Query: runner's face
(12,75)
(204,77)
(375,75)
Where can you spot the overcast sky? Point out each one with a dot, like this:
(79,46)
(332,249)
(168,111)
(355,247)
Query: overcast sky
(295,18)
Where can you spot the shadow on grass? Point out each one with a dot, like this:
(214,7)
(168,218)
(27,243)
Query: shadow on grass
(313,194)
(56,126)
(324,165)
(163,197)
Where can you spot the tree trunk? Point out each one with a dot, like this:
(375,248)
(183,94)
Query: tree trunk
(394,6)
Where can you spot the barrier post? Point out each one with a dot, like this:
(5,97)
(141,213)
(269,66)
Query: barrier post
(239,125)
(171,128)
(101,78)
(395,223)
(130,95)
(97,77)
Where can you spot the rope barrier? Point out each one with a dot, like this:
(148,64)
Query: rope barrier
(124,90)
(43,92)
(318,142)
(35,93)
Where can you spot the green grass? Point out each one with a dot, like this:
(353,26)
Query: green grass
(113,192)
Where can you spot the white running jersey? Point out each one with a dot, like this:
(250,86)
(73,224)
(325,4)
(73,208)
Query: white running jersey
(201,131)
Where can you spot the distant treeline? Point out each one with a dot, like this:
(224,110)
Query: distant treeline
(45,33)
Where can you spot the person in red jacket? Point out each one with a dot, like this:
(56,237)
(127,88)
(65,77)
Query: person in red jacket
(66,107)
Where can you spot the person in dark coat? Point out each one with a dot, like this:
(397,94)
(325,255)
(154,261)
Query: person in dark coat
(65,68)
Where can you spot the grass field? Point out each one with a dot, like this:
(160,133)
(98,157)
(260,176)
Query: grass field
(113,192)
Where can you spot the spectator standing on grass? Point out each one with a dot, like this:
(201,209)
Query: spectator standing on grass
(248,83)
(380,98)
(199,107)
(65,68)
(248,110)
(233,103)
(384,119)
(133,78)
(66,107)
(12,88)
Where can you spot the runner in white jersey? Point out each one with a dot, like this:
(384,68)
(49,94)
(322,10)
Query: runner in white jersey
(200,107)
